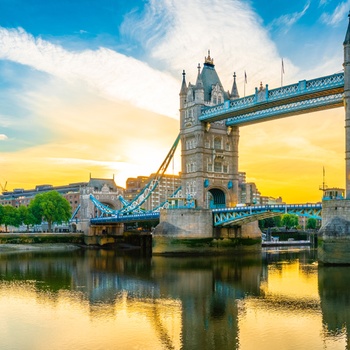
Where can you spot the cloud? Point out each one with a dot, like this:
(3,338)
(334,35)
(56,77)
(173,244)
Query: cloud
(3,137)
(323,2)
(5,121)
(333,19)
(112,74)
(176,39)
(285,22)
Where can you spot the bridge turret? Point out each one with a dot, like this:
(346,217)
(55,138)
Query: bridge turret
(234,92)
(183,91)
(346,65)
(209,155)
(199,91)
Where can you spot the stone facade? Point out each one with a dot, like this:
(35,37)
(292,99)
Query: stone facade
(209,154)
(334,235)
(334,242)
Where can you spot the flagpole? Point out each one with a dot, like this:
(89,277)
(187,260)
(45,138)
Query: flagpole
(282,72)
(245,81)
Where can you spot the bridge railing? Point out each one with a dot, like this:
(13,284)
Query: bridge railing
(266,95)
(271,206)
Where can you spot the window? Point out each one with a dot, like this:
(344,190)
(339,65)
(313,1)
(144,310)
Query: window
(217,143)
(191,167)
(217,167)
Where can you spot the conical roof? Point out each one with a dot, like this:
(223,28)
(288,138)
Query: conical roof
(209,78)
(183,90)
(234,91)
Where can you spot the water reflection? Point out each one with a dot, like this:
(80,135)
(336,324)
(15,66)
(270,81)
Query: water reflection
(99,299)
(333,285)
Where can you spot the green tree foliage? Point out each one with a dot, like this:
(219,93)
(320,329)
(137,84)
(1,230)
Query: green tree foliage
(25,216)
(278,221)
(290,220)
(270,222)
(311,223)
(51,207)
(1,215)
(10,217)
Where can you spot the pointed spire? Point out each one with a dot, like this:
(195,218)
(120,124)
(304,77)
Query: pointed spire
(234,92)
(183,90)
(208,60)
(347,36)
(199,82)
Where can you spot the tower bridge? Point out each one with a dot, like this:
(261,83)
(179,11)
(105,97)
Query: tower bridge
(210,118)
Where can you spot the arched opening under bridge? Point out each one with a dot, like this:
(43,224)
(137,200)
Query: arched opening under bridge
(216,198)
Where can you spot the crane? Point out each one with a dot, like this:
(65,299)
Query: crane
(3,188)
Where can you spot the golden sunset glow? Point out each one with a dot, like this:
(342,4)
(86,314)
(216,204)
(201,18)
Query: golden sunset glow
(67,320)
(100,96)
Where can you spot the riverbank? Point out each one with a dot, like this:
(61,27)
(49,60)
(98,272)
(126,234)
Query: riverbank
(40,238)
(6,248)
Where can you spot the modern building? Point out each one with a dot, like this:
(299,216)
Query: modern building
(166,187)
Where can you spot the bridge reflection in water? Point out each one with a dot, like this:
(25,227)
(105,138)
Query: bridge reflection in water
(97,299)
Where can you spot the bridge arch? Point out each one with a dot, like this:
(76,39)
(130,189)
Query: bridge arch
(216,198)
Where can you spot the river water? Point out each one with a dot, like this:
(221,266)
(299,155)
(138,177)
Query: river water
(100,299)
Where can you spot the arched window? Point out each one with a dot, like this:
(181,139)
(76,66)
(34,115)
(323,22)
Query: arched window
(217,143)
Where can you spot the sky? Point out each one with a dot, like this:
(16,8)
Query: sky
(91,88)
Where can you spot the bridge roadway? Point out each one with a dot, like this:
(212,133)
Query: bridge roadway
(225,216)
(300,98)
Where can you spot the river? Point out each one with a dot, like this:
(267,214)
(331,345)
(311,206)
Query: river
(101,299)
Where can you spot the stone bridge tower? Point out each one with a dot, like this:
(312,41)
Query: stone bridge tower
(334,246)
(209,154)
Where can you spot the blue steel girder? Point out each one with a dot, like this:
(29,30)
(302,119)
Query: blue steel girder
(136,203)
(75,212)
(122,218)
(294,108)
(302,97)
(104,209)
(242,215)
(165,204)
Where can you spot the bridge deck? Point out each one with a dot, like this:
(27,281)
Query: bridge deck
(302,97)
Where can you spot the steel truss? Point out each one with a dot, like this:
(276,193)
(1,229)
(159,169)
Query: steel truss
(243,215)
(134,206)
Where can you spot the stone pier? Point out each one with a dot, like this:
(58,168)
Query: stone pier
(191,232)
(334,235)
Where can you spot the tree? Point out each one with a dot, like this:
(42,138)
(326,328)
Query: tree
(25,216)
(311,223)
(10,216)
(1,215)
(51,207)
(290,220)
(278,221)
(270,222)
